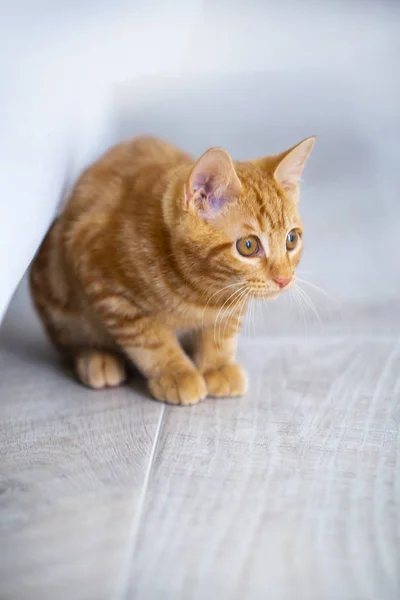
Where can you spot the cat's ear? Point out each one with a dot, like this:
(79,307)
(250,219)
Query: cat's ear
(289,166)
(212,184)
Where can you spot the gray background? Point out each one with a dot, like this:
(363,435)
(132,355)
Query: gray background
(325,68)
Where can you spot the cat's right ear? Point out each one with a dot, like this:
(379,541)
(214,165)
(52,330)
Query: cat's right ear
(288,166)
(213,183)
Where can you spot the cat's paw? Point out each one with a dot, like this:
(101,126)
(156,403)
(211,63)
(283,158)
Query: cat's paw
(227,381)
(100,369)
(187,387)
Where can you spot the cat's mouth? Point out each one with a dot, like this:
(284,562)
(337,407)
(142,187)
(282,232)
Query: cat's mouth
(270,289)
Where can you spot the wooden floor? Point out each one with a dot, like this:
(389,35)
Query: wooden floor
(291,493)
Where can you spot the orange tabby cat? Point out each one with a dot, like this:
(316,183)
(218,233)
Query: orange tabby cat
(152,244)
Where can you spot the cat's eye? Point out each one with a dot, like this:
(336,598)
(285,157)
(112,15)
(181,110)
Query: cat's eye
(248,246)
(292,239)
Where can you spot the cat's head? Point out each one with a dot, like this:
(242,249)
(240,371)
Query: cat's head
(242,226)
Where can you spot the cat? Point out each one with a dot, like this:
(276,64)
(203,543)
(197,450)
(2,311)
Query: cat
(152,243)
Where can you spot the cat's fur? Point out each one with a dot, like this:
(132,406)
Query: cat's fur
(146,248)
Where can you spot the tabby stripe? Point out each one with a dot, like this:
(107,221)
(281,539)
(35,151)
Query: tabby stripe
(117,305)
(53,303)
(217,250)
(260,220)
(268,217)
(144,346)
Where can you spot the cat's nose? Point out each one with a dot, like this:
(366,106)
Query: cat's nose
(282,281)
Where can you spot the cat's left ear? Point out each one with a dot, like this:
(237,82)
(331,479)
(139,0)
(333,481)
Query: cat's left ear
(213,183)
(290,165)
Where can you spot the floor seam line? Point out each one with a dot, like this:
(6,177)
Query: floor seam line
(122,584)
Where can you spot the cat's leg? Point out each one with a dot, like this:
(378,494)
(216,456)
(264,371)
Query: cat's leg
(92,355)
(81,340)
(154,349)
(98,369)
(215,353)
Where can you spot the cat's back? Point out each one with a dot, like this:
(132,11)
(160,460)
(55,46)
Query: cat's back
(130,168)
(128,159)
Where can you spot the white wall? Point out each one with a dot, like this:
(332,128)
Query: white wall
(255,76)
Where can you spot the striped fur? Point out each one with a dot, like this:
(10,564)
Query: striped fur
(130,263)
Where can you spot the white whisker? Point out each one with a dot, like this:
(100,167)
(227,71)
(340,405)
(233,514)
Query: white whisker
(299,302)
(310,304)
(227,300)
(241,310)
(314,286)
(228,303)
(236,304)
(252,316)
(240,283)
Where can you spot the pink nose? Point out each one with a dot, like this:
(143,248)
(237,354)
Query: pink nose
(282,281)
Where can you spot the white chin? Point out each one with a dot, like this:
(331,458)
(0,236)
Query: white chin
(266,296)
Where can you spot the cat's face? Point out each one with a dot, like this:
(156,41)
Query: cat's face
(263,236)
(243,231)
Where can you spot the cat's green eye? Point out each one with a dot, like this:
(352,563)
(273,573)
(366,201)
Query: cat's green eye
(248,246)
(292,239)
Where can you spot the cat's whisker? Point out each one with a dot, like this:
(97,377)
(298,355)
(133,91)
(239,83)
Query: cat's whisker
(240,283)
(239,308)
(252,320)
(226,287)
(335,301)
(264,316)
(299,303)
(231,299)
(252,315)
(304,306)
(311,305)
(290,296)
(306,309)
(239,305)
(314,286)
(233,307)
(248,320)
(241,311)
(257,310)
(261,311)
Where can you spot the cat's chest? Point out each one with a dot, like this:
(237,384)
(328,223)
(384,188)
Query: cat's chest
(188,317)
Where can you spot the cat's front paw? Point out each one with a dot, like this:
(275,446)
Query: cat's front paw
(228,380)
(99,370)
(187,387)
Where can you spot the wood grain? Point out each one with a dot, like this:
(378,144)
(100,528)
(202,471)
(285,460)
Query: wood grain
(72,467)
(291,493)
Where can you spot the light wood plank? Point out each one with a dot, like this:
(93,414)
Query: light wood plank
(291,493)
(73,463)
